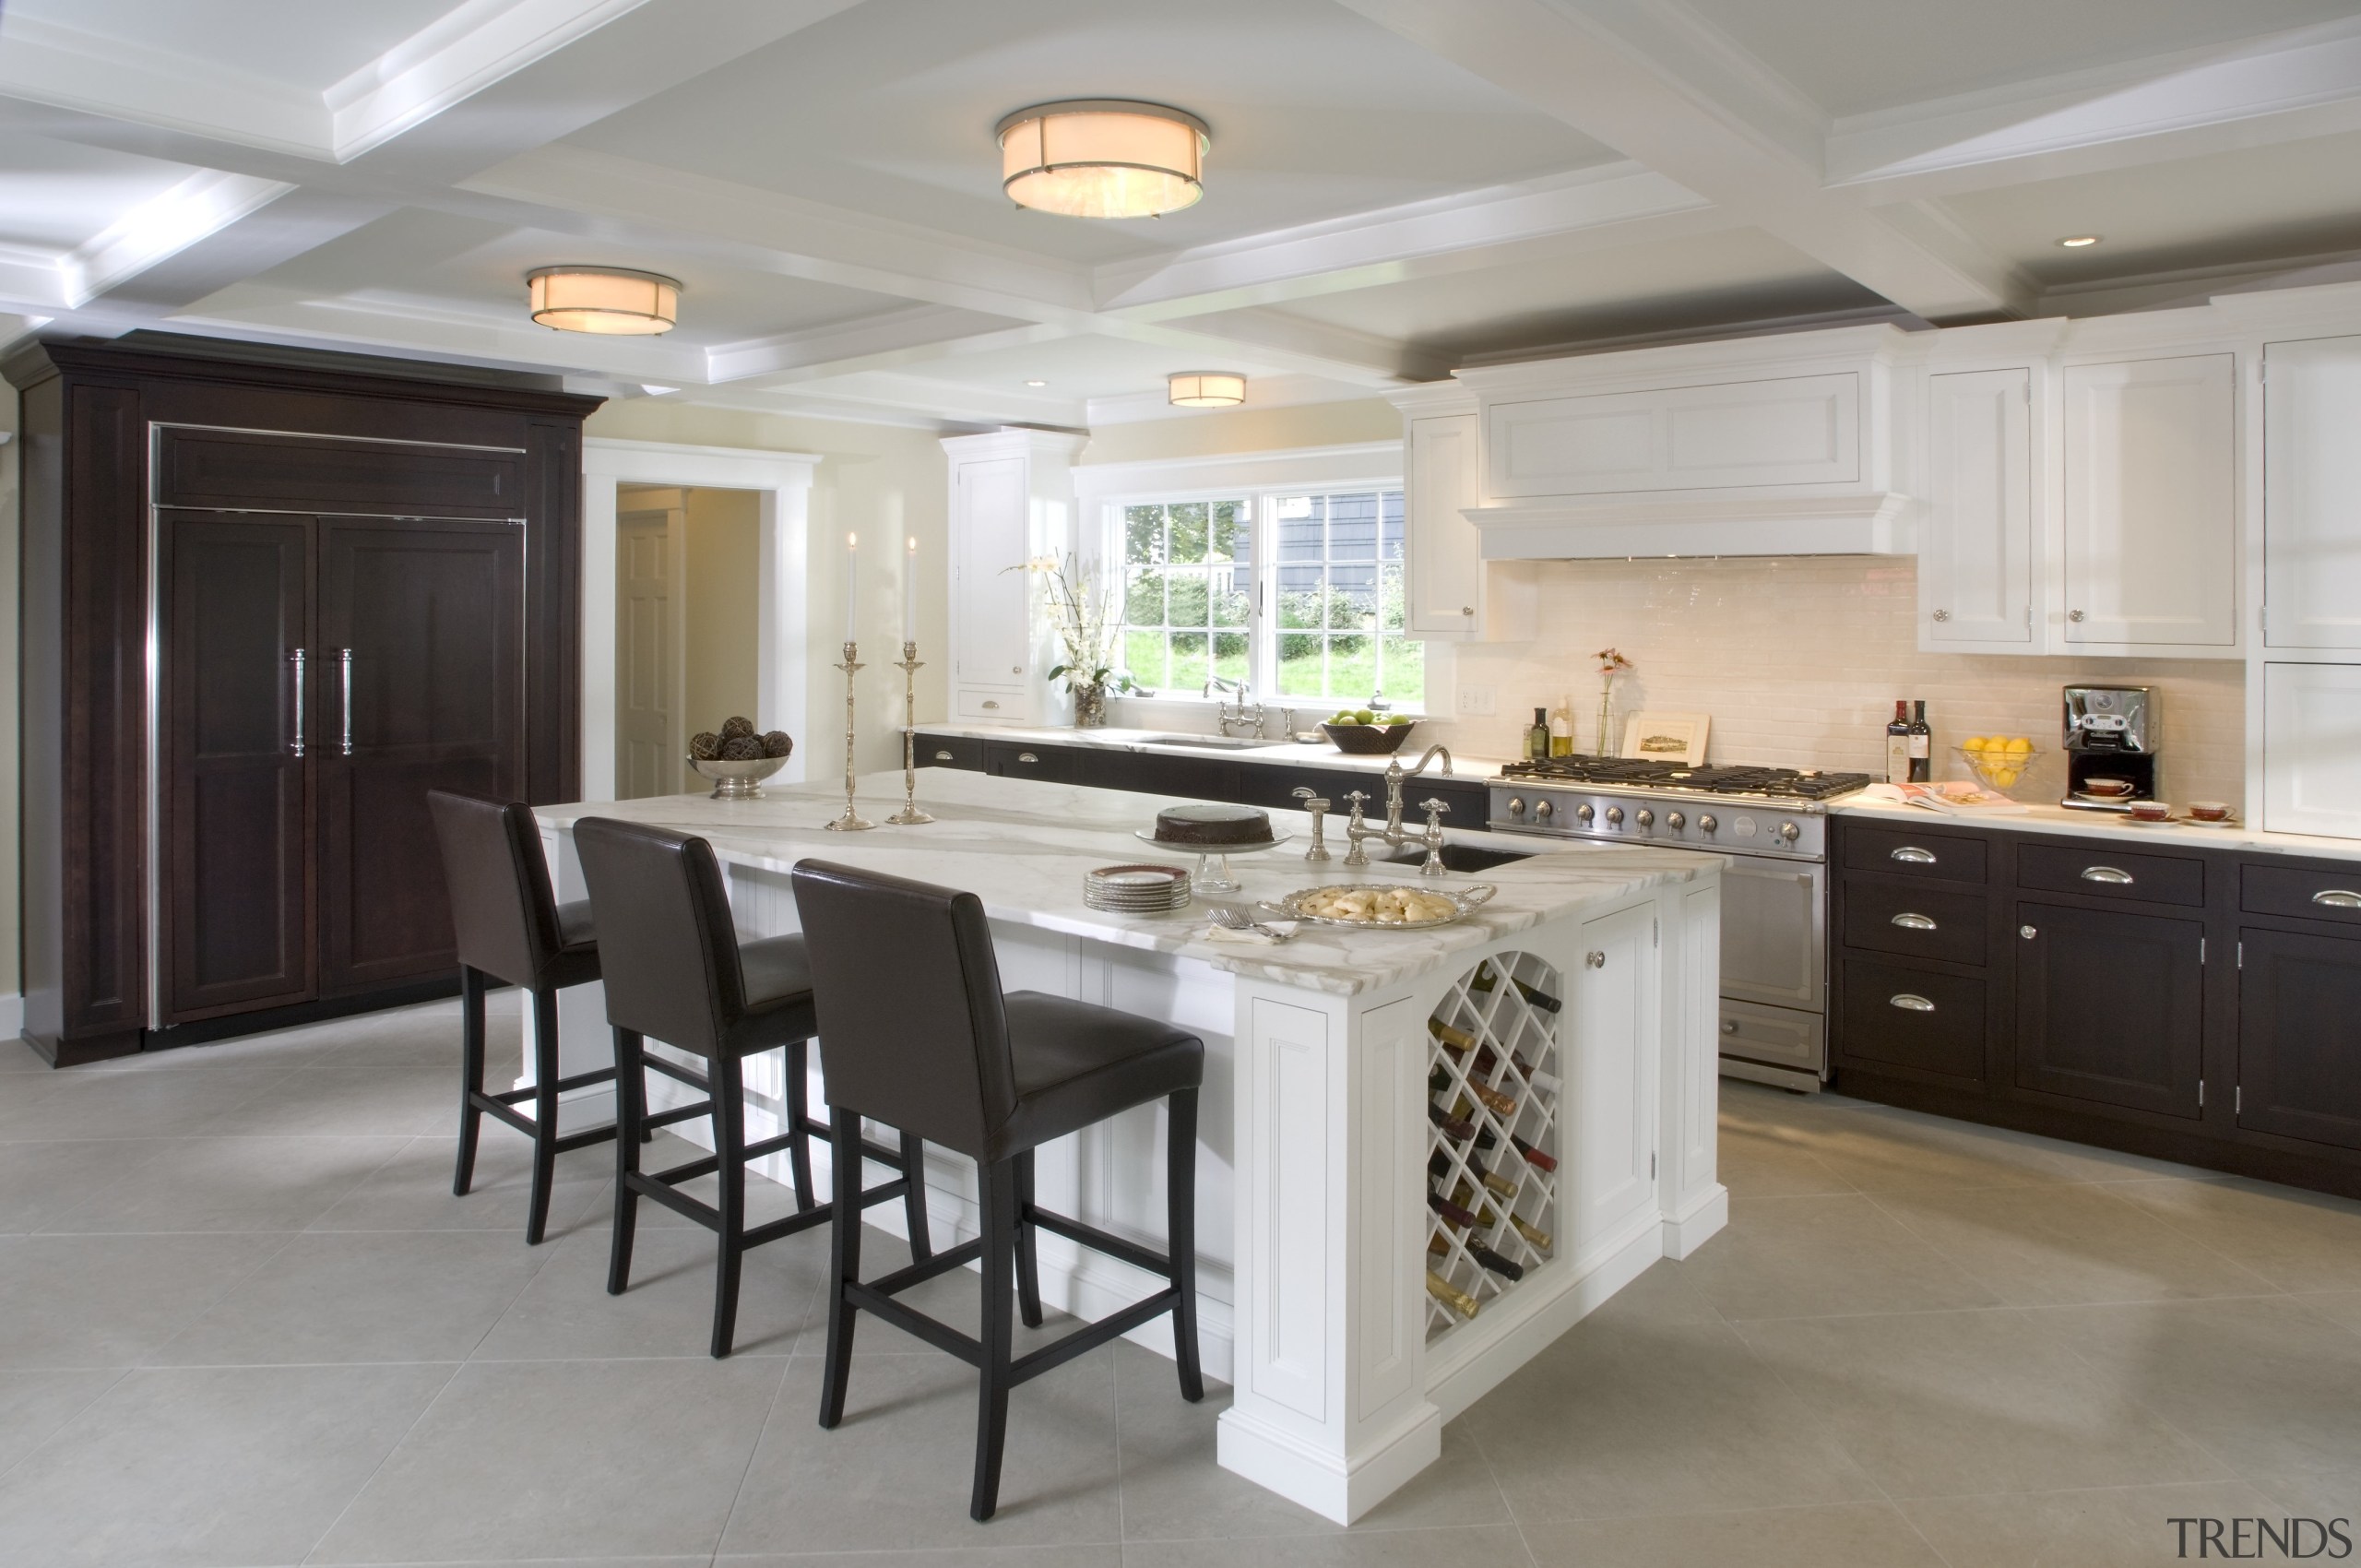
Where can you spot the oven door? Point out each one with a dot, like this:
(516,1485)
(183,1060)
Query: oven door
(1774,932)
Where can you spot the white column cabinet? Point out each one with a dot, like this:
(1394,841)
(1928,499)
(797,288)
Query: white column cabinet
(2151,504)
(2311,506)
(1012,499)
(1975,556)
(1613,1088)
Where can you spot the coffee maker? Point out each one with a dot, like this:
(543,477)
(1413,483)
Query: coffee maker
(2111,736)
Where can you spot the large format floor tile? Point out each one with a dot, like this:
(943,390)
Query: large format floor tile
(572,1460)
(2059,1246)
(384,1102)
(209,1466)
(2297,1240)
(35,1404)
(80,1103)
(565,1312)
(1484,1546)
(1807,1257)
(1859,1534)
(112,1300)
(232,1184)
(2115,1528)
(411,1190)
(42,1183)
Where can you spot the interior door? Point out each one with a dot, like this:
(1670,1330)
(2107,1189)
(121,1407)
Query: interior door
(240,723)
(649,743)
(422,673)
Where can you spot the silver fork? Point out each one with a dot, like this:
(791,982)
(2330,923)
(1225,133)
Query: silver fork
(1230,919)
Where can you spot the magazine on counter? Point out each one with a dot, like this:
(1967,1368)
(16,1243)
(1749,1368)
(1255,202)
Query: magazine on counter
(1954,797)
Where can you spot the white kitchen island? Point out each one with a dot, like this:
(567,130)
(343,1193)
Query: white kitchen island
(1315,1145)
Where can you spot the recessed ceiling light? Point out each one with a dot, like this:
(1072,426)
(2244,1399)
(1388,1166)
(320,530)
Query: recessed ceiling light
(1102,158)
(2076,242)
(1036,383)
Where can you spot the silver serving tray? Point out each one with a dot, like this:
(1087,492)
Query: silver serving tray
(1469,900)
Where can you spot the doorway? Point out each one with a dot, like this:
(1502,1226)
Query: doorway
(688,610)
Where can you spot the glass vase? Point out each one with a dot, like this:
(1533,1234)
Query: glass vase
(1089,708)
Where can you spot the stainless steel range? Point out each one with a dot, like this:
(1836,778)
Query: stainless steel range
(1772,823)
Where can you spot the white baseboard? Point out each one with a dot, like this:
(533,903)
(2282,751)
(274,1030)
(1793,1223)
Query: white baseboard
(1338,1490)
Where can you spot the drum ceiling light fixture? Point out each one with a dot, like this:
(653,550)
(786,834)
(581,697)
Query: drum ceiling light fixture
(1205,388)
(1102,158)
(611,301)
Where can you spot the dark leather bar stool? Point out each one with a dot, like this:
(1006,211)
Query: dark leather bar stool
(512,928)
(915,1032)
(676,972)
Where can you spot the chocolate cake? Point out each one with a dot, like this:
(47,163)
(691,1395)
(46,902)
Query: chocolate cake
(1214,826)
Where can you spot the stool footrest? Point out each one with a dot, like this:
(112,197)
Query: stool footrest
(506,1115)
(678,1113)
(1098,1241)
(584,1080)
(688,1172)
(920,1272)
(910,1321)
(585,1137)
(679,1073)
(819,1214)
(1082,1340)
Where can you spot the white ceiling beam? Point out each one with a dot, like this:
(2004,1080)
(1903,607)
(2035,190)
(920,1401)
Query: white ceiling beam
(2286,87)
(1618,204)
(872,343)
(1291,344)
(1661,86)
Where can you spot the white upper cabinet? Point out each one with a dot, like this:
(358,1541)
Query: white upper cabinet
(1446,578)
(2150,512)
(2311,506)
(1012,499)
(2311,749)
(1975,556)
(1784,430)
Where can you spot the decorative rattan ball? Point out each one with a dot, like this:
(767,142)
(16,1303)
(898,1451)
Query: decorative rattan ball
(742,748)
(705,745)
(778,742)
(734,728)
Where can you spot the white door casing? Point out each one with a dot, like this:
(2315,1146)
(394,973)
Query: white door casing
(649,676)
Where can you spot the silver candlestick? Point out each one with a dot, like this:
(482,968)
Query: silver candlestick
(852,821)
(909,815)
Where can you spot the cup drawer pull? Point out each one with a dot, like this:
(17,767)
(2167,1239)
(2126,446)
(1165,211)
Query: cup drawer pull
(1913,922)
(1911,854)
(2107,874)
(1028,756)
(2338,898)
(1910,1003)
(992,703)
(944,756)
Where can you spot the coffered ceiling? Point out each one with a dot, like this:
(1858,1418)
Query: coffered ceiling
(1394,186)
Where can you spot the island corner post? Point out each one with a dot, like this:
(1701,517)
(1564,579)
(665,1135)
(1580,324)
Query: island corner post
(1316,1228)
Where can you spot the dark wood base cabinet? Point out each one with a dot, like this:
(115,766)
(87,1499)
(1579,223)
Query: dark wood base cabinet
(360,586)
(2194,1004)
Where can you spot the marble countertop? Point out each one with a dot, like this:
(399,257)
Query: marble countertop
(1285,752)
(2106,824)
(1022,844)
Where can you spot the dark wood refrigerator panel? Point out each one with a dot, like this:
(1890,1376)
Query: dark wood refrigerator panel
(422,638)
(235,817)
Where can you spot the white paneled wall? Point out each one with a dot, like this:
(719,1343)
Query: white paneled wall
(1799,660)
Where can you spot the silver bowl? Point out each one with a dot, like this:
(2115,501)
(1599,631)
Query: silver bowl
(738,780)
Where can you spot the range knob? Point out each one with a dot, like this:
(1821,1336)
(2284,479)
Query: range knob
(1516,806)
(1647,819)
(1614,816)
(1789,831)
(1586,811)
(1674,821)
(1706,823)
(1546,809)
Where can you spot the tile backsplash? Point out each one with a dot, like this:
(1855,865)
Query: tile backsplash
(1800,660)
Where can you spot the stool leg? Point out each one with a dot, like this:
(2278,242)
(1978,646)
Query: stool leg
(844,1265)
(631,1110)
(545,1075)
(798,1119)
(471,1075)
(1180,1227)
(730,1146)
(998,1327)
(1028,1262)
(914,1199)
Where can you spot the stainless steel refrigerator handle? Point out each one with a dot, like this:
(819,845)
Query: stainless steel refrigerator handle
(296,658)
(344,674)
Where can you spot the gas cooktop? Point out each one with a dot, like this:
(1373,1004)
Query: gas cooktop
(1643,773)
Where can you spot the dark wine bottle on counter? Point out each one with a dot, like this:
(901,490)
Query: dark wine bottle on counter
(1451,1295)
(1897,744)
(1533,1156)
(1458,1129)
(1486,981)
(1922,747)
(1494,1261)
(1452,1212)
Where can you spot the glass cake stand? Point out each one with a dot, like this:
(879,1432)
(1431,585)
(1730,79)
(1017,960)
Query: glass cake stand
(1212,874)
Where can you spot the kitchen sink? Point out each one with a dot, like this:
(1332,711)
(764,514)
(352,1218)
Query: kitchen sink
(1456,857)
(1210,743)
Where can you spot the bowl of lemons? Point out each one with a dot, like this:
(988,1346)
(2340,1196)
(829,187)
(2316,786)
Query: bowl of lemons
(2000,761)
(1368,732)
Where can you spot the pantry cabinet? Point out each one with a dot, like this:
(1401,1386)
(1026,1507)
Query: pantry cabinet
(1976,557)
(1012,501)
(2311,506)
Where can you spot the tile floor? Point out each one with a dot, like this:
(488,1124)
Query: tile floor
(242,1321)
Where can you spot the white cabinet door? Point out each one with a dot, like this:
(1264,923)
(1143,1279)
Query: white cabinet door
(1612,1081)
(2151,521)
(1975,563)
(1445,575)
(2311,506)
(1779,430)
(990,601)
(2311,749)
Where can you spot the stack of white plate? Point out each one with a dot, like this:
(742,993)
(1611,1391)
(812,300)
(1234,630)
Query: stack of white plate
(1136,890)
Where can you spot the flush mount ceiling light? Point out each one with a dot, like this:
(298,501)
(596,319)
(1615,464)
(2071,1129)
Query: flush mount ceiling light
(611,301)
(1102,158)
(1206,389)
(2076,242)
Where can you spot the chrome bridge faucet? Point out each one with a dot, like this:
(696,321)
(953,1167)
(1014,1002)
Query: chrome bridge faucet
(1358,830)
(1248,721)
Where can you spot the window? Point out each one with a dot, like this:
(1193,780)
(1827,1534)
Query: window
(1299,592)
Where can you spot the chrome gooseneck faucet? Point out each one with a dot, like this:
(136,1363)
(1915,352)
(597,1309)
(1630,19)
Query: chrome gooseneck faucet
(1393,834)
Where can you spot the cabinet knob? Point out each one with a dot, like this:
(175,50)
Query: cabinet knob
(2076,616)
(1942,615)
(1595,959)
(2028,933)
(1017,669)
(1467,610)
(1729,1026)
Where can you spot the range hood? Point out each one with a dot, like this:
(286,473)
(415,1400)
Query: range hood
(1596,528)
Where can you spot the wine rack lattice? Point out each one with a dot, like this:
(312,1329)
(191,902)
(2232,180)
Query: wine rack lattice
(1493,1075)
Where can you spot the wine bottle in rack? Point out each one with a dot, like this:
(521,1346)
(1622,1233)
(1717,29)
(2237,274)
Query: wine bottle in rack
(1486,1063)
(1452,1213)
(1494,1261)
(1452,1296)
(1457,1128)
(1533,1156)
(1533,1233)
(1486,981)
(1492,1100)
(1492,1180)
(1468,1201)
(1459,1043)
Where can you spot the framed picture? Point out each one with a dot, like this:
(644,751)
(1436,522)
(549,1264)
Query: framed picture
(1668,737)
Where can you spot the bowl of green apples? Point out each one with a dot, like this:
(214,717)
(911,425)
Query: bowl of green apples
(1368,734)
